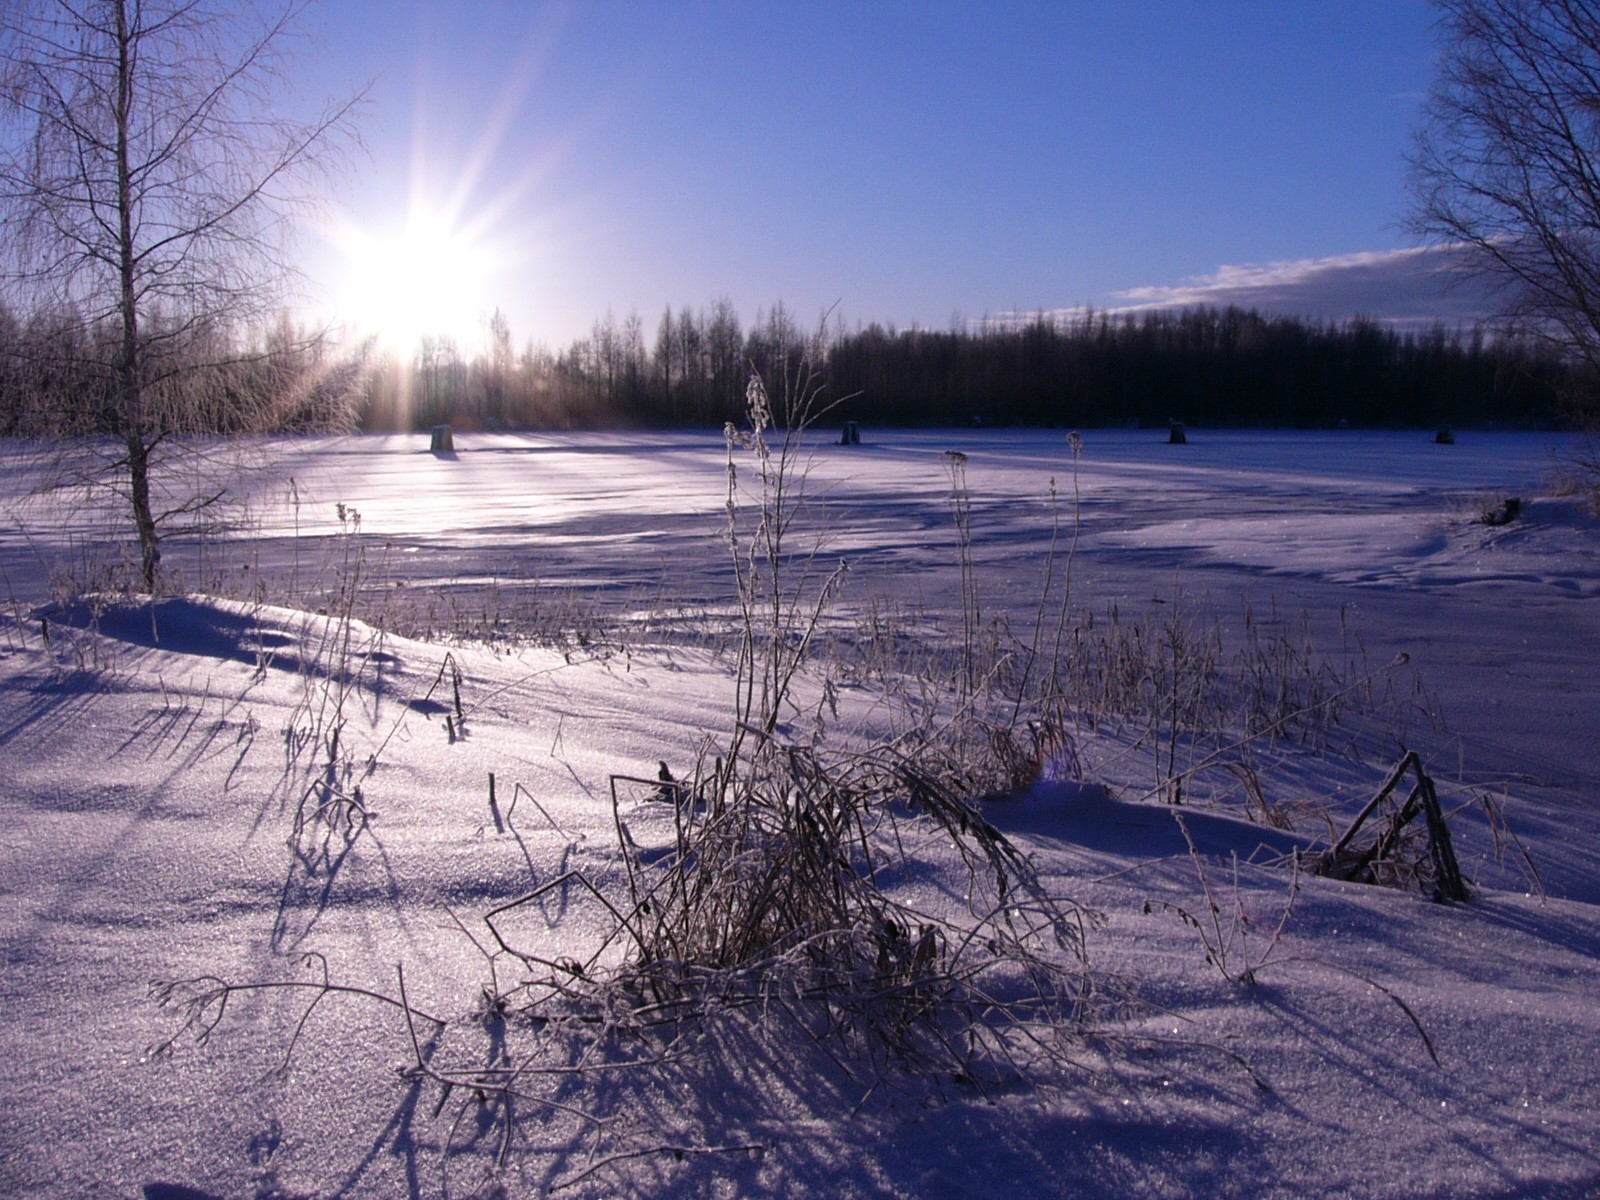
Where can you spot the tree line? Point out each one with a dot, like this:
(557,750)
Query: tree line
(59,377)
(1206,365)
(693,372)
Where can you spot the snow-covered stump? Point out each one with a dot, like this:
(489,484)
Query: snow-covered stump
(444,441)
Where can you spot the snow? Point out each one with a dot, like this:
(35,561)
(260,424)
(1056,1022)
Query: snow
(156,755)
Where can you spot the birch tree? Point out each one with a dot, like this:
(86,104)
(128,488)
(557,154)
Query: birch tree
(148,181)
(1508,165)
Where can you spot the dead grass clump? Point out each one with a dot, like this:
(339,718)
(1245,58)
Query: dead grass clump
(777,894)
(1400,855)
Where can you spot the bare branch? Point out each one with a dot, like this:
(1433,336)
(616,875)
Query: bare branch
(1507,165)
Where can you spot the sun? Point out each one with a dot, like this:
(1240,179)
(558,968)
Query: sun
(424,279)
(434,263)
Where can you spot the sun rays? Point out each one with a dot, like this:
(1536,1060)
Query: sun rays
(438,267)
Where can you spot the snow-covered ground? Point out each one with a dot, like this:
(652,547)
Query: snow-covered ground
(155,759)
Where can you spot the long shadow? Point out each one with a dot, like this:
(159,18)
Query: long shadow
(52,702)
(300,890)
(317,862)
(1575,929)
(398,1136)
(1586,1187)
(892,1132)
(189,626)
(1087,816)
(176,1191)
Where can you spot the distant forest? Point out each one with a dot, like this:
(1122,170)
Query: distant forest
(1224,367)
(1206,366)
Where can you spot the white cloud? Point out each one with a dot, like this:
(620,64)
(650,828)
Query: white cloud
(1410,289)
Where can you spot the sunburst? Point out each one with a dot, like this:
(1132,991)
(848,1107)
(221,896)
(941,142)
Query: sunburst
(426,278)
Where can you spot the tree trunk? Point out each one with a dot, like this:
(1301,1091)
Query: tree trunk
(130,398)
(144,521)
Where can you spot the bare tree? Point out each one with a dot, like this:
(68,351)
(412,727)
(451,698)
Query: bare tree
(725,351)
(1507,165)
(147,178)
(498,365)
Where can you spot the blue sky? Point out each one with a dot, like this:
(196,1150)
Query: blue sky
(909,162)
